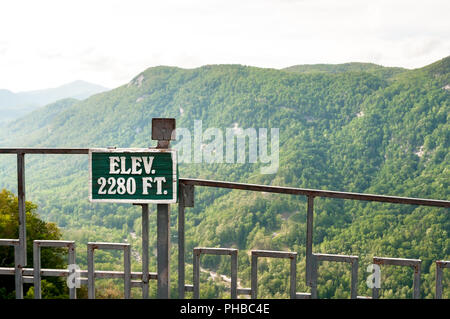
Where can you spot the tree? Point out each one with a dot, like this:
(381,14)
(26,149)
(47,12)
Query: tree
(36,229)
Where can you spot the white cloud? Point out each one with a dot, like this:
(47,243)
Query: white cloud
(48,42)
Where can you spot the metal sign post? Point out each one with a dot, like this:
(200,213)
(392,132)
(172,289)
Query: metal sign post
(141,176)
(163,130)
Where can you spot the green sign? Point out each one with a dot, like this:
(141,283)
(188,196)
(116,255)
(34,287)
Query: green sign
(138,176)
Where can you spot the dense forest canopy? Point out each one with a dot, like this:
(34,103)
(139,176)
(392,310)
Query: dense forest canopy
(353,127)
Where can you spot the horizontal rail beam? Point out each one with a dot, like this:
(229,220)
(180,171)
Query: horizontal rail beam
(274,254)
(44,151)
(336,258)
(215,251)
(244,291)
(303,295)
(396,261)
(101,274)
(114,246)
(255,187)
(443,263)
(316,192)
(9,242)
(54,243)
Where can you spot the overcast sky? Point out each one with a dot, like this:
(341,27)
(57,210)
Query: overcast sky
(47,43)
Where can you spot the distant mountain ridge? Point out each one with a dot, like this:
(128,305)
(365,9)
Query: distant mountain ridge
(15,105)
(339,68)
(353,127)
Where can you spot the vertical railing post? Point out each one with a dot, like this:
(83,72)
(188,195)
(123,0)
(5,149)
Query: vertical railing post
(22,211)
(293,277)
(254,277)
(163,249)
(91,272)
(37,270)
(145,251)
(127,271)
(72,261)
(309,238)
(234,270)
(313,276)
(354,282)
(18,272)
(196,274)
(416,282)
(438,280)
(18,282)
(186,199)
(163,130)
(181,269)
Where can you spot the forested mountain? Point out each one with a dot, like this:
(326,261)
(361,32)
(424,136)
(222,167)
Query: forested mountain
(353,127)
(16,105)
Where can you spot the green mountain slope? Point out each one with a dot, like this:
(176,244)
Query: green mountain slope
(385,72)
(356,127)
(16,105)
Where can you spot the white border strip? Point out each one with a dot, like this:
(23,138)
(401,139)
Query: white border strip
(135,150)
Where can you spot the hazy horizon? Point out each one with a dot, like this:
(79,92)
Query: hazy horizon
(109,42)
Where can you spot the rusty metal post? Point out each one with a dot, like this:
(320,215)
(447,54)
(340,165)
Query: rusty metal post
(22,211)
(375,293)
(163,250)
(37,269)
(17,267)
(234,271)
(181,268)
(145,252)
(254,276)
(313,276)
(354,282)
(163,130)
(72,261)
(416,282)
(186,199)
(18,273)
(440,265)
(196,275)
(309,238)
(293,277)
(127,271)
(91,270)
(438,281)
